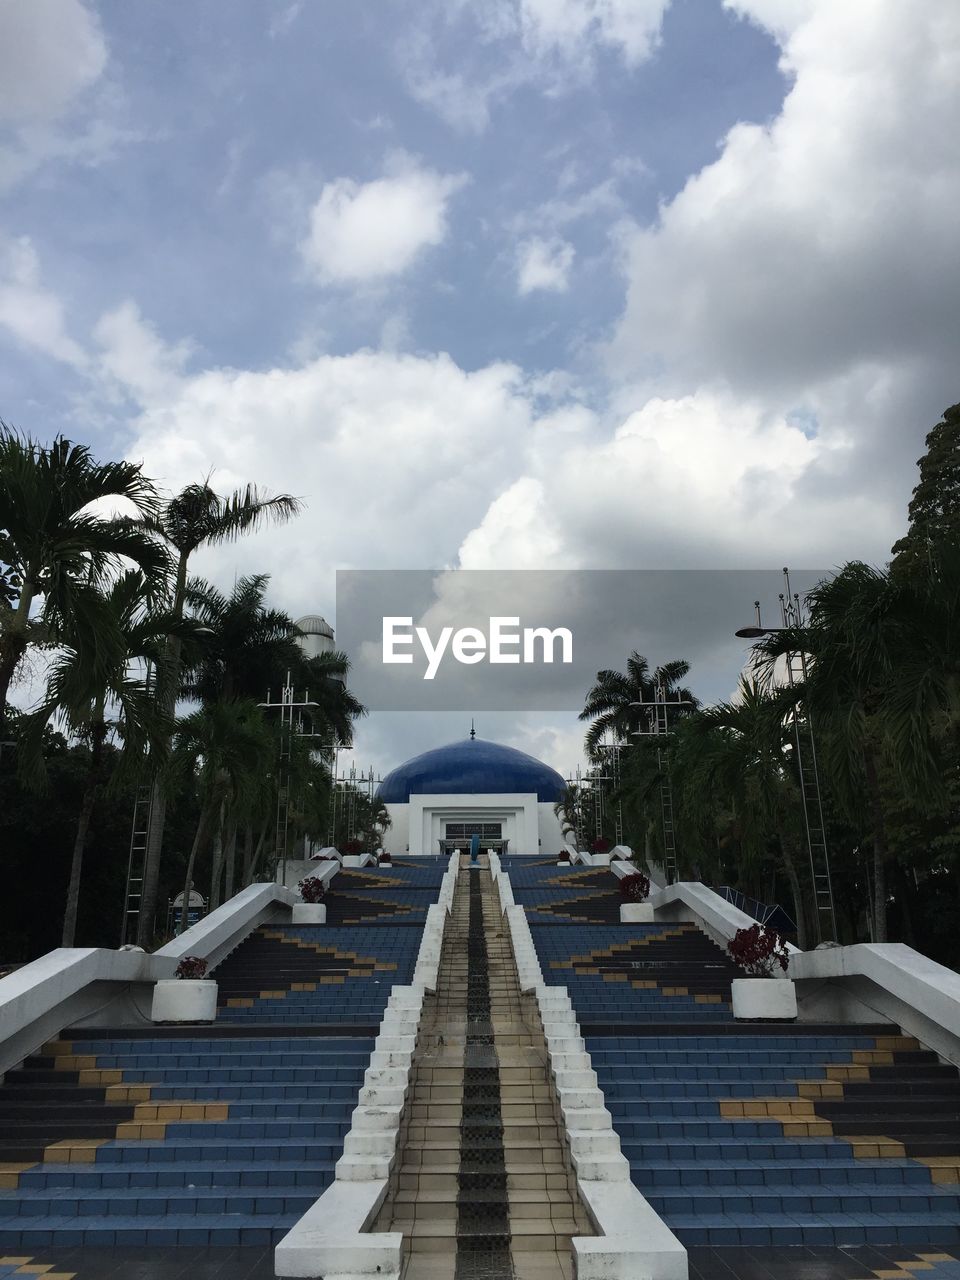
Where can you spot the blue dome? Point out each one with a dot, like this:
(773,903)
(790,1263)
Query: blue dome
(471,767)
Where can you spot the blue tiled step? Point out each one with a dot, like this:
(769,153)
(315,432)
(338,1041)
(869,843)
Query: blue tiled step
(210,1059)
(743,1040)
(318,1129)
(771,1147)
(658,1175)
(265,1173)
(838,1229)
(627,1093)
(673,1130)
(58,1202)
(217,1149)
(803,1201)
(628,1074)
(239,1075)
(728,1057)
(287,1109)
(183,1229)
(321,1094)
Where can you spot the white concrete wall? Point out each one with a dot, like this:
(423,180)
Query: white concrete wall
(416,828)
(95,986)
(885,981)
(397,836)
(428,815)
(551,832)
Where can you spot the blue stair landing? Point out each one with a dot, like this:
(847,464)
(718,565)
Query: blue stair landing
(159,1136)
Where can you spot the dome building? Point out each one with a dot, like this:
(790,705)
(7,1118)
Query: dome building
(316,635)
(438,800)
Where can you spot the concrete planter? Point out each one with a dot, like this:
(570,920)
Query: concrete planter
(758,998)
(309,913)
(184,1000)
(636,913)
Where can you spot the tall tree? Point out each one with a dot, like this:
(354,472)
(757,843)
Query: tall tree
(54,542)
(230,745)
(93,695)
(610,703)
(196,517)
(934,510)
(734,758)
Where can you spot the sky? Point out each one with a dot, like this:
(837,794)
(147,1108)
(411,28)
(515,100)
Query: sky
(513,284)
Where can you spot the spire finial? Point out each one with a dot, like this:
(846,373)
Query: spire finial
(473,732)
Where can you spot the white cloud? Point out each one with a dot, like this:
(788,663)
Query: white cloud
(29,310)
(504,45)
(571,27)
(544,264)
(396,456)
(705,480)
(133,356)
(826,240)
(365,232)
(50,50)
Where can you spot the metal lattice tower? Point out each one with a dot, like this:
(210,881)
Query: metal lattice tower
(658,720)
(136,862)
(291,724)
(808,773)
(809,780)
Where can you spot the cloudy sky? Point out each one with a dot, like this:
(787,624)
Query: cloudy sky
(506,284)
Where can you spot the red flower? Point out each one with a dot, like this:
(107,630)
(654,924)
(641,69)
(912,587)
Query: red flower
(312,889)
(759,950)
(635,888)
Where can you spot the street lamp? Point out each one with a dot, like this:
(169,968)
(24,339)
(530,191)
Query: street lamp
(791,617)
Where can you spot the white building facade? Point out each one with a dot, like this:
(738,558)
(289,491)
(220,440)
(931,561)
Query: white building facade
(439,800)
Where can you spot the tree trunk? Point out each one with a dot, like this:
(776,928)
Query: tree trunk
(880,856)
(254,851)
(167,700)
(231,860)
(790,867)
(13,643)
(206,814)
(906,896)
(90,792)
(216,868)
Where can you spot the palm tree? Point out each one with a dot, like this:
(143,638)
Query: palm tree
(248,647)
(567,811)
(94,694)
(196,517)
(734,759)
(854,638)
(610,702)
(229,744)
(52,544)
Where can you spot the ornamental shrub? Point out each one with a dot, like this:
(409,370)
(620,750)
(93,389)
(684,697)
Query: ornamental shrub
(312,889)
(191,967)
(759,950)
(600,844)
(635,887)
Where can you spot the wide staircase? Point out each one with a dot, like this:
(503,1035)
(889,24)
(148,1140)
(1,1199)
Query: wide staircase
(219,1135)
(482,1188)
(751,1136)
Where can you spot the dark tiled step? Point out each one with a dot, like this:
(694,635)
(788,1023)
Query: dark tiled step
(653,1029)
(227,1031)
